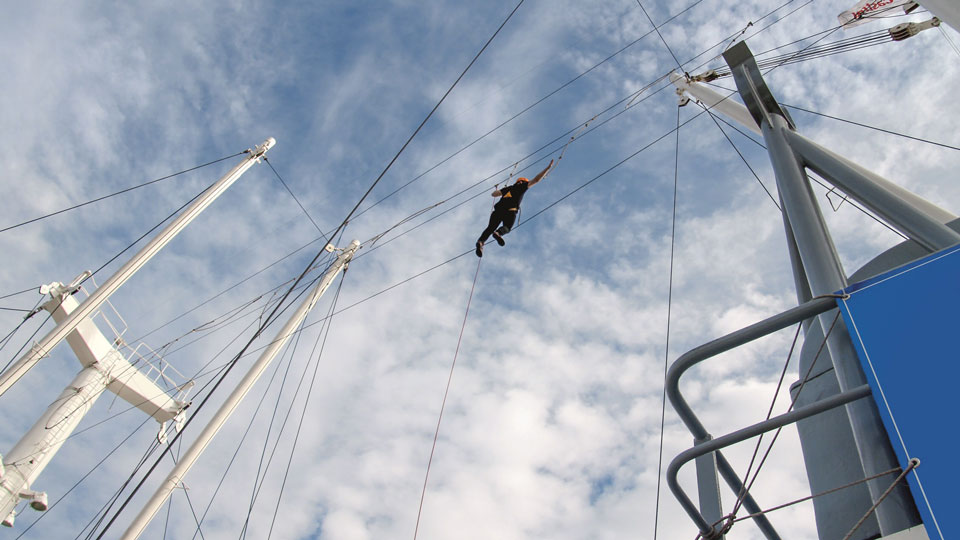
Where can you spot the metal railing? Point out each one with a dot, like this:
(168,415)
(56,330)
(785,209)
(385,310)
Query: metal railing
(706,449)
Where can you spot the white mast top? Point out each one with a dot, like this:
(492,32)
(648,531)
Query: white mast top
(63,328)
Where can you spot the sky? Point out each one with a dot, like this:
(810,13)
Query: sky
(552,424)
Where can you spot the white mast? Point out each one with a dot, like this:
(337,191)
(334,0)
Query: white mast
(104,367)
(64,327)
(209,432)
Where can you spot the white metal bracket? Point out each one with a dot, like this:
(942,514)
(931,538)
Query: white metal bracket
(261,149)
(38,499)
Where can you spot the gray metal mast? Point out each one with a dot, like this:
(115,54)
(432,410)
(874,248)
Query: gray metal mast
(818,271)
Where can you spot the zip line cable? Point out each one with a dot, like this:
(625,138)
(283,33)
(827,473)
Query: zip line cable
(515,116)
(632,95)
(443,403)
(666,348)
(121,191)
(270,318)
(437,106)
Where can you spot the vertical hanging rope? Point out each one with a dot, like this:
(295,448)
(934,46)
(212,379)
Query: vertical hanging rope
(666,351)
(443,403)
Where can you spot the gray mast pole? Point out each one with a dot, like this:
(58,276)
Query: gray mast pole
(825,275)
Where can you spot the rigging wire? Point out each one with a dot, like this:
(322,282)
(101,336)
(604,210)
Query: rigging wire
(122,191)
(18,292)
(742,157)
(950,41)
(660,35)
(105,509)
(666,348)
(257,480)
(104,265)
(186,493)
(746,489)
(551,152)
(296,199)
(236,452)
(84,477)
(231,287)
(741,496)
(270,318)
(824,184)
(569,194)
(306,402)
(443,403)
(602,123)
(871,127)
(6,339)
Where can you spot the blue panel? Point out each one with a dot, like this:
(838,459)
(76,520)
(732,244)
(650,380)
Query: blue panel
(904,324)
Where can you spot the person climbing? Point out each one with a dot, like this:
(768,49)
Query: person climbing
(506,209)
